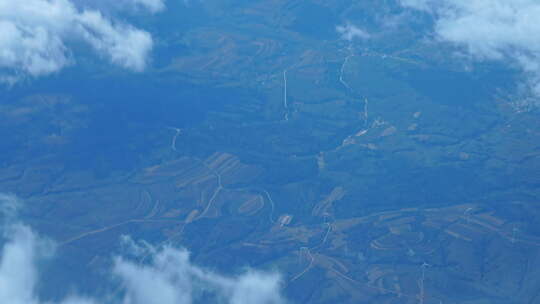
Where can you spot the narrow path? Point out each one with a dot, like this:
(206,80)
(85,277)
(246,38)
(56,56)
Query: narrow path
(111,227)
(311,260)
(178,132)
(154,210)
(421,295)
(216,192)
(342,70)
(272,206)
(285,103)
(211,200)
(366,113)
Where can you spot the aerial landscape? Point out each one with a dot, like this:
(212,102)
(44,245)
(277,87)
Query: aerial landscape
(269,152)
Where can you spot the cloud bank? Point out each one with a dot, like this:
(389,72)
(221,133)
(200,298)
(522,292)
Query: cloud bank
(169,277)
(505,30)
(36,34)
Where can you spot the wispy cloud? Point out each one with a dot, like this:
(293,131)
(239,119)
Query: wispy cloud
(9,205)
(350,32)
(500,30)
(130,6)
(36,35)
(153,6)
(168,276)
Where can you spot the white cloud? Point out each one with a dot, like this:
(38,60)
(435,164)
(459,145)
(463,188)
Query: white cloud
(169,277)
(18,273)
(18,267)
(350,32)
(19,257)
(122,44)
(490,30)
(36,34)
